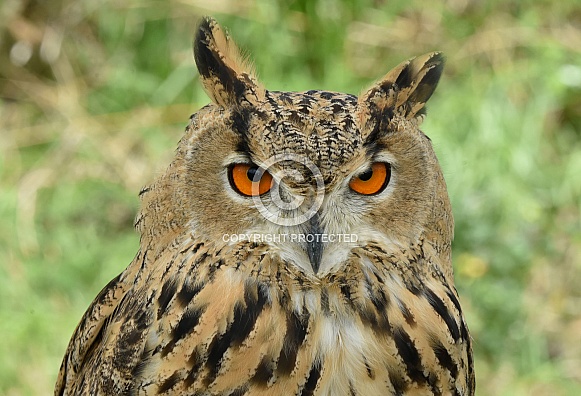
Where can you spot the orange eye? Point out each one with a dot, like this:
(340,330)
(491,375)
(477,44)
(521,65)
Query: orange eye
(373,180)
(244,180)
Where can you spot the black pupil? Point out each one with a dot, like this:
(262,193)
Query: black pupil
(251,173)
(366,175)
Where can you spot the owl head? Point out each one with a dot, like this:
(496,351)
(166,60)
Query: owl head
(312,174)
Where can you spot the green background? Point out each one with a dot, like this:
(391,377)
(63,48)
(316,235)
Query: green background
(95,95)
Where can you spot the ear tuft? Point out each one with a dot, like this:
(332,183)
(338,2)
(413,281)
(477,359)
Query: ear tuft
(406,88)
(227,78)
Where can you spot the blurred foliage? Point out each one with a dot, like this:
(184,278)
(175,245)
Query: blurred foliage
(95,94)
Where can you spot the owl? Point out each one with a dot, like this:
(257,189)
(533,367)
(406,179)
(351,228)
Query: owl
(298,244)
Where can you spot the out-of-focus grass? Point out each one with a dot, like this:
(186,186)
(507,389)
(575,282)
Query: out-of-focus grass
(95,95)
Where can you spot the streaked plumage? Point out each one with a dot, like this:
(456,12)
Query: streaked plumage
(197,314)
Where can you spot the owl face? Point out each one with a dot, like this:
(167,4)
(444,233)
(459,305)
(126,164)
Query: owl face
(311,174)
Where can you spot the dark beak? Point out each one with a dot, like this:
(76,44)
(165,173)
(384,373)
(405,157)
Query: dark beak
(314,242)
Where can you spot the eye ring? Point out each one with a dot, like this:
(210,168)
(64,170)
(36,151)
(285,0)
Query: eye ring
(373,180)
(242,178)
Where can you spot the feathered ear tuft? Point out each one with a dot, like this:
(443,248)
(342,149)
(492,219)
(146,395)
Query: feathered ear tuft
(226,77)
(406,88)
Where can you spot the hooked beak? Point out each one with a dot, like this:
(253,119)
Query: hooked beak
(315,245)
